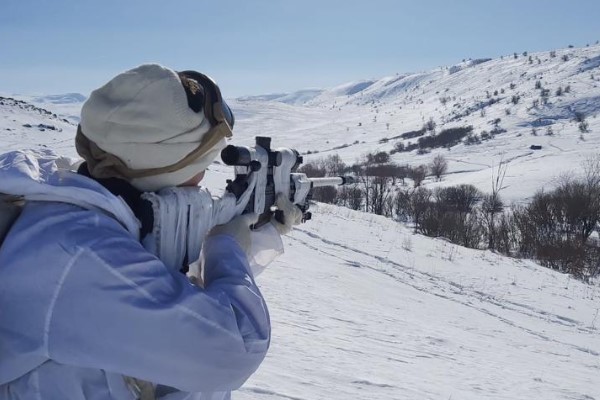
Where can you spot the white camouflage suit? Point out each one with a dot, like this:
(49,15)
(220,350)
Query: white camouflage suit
(83,305)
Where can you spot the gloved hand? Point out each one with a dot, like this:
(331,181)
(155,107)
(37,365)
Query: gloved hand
(238,228)
(291,215)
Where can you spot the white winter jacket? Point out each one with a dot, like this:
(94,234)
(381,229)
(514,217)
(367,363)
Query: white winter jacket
(83,304)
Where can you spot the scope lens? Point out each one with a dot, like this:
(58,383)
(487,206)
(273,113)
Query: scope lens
(236,155)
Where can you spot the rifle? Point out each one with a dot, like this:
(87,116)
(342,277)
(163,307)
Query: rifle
(272,171)
(260,174)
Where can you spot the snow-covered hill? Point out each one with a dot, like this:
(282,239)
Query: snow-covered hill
(23,124)
(66,98)
(67,105)
(296,98)
(360,117)
(361,307)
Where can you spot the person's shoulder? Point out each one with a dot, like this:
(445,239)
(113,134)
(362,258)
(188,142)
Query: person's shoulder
(50,236)
(69,226)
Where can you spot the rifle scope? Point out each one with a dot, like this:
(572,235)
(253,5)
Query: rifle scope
(245,156)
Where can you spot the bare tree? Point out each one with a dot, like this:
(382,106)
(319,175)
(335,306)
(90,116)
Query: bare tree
(380,192)
(460,199)
(430,125)
(579,206)
(364,181)
(351,197)
(451,215)
(492,203)
(378,158)
(555,226)
(591,170)
(418,174)
(378,182)
(402,205)
(402,173)
(313,169)
(420,201)
(334,165)
(506,233)
(438,167)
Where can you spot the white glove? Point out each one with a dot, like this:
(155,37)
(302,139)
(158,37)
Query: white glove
(291,215)
(238,228)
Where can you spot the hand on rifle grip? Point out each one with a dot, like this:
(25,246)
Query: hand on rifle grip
(286,216)
(238,228)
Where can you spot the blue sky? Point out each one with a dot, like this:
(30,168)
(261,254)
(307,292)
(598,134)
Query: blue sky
(262,46)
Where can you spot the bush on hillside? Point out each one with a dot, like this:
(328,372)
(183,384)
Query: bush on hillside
(446,138)
(413,134)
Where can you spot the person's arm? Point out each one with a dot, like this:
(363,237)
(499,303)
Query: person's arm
(121,310)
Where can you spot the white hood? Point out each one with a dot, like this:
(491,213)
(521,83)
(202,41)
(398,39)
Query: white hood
(42,175)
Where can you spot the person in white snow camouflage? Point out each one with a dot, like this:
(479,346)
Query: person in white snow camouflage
(86,311)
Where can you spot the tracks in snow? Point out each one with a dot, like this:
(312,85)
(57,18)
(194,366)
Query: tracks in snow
(440,287)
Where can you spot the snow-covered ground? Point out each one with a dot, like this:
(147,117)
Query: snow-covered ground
(361,307)
(364,309)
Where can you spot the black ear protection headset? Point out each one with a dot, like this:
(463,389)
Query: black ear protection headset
(208,98)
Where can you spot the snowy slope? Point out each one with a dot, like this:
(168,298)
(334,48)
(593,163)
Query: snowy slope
(297,98)
(364,309)
(23,124)
(360,121)
(66,105)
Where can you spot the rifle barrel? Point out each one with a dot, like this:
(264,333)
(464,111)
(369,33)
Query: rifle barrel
(331,181)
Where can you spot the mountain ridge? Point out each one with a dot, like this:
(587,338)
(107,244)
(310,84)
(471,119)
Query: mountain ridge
(512,103)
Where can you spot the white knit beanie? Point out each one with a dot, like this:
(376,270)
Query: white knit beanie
(142,117)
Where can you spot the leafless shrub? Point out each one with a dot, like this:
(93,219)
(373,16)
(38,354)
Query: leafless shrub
(464,229)
(419,202)
(378,158)
(417,174)
(430,125)
(556,226)
(438,166)
(492,204)
(403,205)
(351,197)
